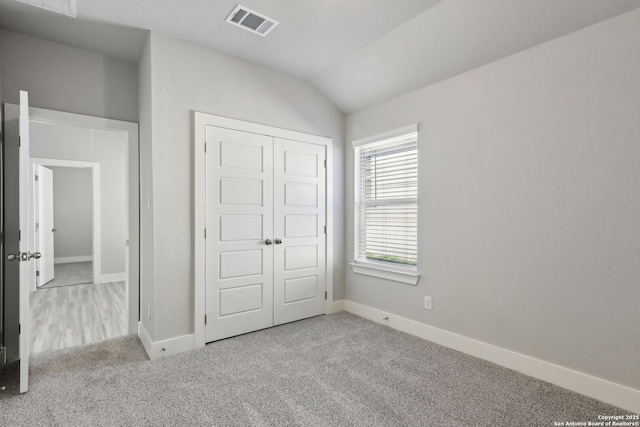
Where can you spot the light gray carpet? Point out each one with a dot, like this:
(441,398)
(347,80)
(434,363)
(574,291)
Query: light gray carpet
(337,370)
(73,273)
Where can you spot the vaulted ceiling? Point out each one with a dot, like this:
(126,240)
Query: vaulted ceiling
(357,52)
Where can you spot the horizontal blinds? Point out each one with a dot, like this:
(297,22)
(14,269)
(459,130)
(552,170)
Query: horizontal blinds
(386,201)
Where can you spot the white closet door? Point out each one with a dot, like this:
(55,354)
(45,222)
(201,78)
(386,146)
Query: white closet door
(239,220)
(45,225)
(299,212)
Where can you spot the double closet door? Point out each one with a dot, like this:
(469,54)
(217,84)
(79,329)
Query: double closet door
(265,231)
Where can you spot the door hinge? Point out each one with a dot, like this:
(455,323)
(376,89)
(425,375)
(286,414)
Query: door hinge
(37,225)
(325,294)
(205,147)
(37,273)
(19,141)
(19,328)
(19,234)
(36,177)
(325,163)
(205,233)
(205,319)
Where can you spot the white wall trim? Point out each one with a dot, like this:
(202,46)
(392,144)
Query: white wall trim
(598,388)
(164,348)
(200,121)
(199,219)
(70,259)
(338,306)
(145,338)
(112,277)
(92,122)
(329,203)
(370,269)
(235,124)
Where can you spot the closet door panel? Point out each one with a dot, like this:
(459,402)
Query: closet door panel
(299,219)
(239,219)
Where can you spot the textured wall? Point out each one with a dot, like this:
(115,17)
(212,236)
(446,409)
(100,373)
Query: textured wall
(65,78)
(529,202)
(187,78)
(72,211)
(146,190)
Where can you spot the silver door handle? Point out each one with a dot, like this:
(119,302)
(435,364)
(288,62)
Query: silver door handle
(278,241)
(268,242)
(35,255)
(13,257)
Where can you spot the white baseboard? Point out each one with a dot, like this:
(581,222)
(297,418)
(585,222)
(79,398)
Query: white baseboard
(598,388)
(160,349)
(338,306)
(112,277)
(145,338)
(70,259)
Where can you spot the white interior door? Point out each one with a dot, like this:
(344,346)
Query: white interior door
(25,238)
(299,230)
(46,232)
(239,229)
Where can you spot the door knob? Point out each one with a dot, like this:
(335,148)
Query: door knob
(53,230)
(13,257)
(278,240)
(35,255)
(268,242)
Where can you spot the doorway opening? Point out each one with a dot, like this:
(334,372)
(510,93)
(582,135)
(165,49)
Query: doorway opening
(67,230)
(84,221)
(78,295)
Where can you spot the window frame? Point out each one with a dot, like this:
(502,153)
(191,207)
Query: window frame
(389,270)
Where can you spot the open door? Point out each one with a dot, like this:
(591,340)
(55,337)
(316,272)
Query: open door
(44,225)
(25,237)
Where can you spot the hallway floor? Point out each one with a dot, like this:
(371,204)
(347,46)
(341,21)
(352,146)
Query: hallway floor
(73,273)
(68,316)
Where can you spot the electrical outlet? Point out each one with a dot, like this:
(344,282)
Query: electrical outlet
(427,303)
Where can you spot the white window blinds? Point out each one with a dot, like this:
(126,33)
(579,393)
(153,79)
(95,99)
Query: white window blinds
(386,212)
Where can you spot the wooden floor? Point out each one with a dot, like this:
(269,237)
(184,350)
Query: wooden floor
(74,315)
(74,273)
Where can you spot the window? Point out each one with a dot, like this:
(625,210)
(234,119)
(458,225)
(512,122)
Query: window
(386,196)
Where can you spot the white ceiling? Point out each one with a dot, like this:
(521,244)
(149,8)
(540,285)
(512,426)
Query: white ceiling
(357,52)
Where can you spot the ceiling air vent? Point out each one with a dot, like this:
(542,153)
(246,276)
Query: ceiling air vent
(251,21)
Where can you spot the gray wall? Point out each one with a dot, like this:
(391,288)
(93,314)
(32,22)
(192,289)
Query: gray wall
(55,141)
(67,79)
(186,78)
(529,202)
(72,211)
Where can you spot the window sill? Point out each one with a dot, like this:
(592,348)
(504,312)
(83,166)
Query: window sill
(375,270)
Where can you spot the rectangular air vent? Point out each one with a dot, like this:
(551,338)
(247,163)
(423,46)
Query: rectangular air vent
(251,21)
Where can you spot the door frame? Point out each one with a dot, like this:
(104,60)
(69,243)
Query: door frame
(201,120)
(96,219)
(132,251)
